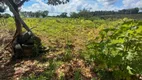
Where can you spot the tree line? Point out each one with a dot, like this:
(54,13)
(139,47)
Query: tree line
(36,14)
(83,13)
(87,14)
(6,15)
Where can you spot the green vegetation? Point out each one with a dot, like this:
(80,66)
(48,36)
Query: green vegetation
(124,13)
(82,49)
(117,51)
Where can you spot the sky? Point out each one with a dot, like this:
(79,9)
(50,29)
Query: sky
(77,5)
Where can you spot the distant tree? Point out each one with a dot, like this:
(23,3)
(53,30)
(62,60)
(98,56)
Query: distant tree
(129,11)
(85,13)
(37,14)
(6,15)
(63,15)
(136,10)
(74,15)
(44,14)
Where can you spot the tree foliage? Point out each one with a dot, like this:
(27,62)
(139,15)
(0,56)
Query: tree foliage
(129,11)
(63,15)
(2,7)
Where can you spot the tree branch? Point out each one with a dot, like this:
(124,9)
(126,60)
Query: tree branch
(21,3)
(12,3)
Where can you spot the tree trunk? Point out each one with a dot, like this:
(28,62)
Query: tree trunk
(22,45)
(17,23)
(16,14)
(18,27)
(14,7)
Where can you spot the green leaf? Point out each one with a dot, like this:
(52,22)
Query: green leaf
(118,41)
(129,70)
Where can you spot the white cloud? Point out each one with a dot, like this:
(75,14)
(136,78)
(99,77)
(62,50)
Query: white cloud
(132,3)
(107,2)
(8,11)
(72,6)
(76,5)
(38,5)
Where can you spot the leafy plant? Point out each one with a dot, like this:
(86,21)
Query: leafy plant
(117,52)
